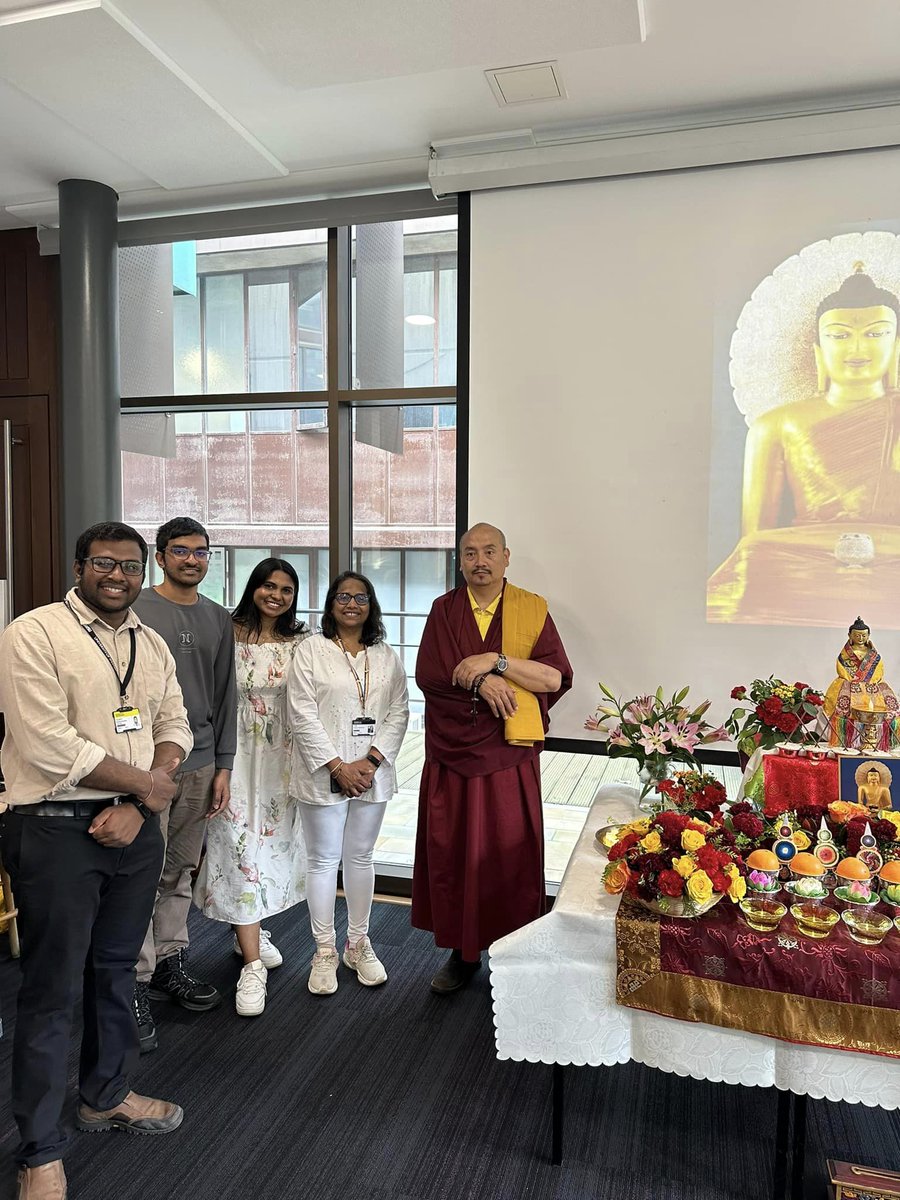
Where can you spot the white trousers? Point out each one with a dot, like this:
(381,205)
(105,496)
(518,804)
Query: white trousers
(347,830)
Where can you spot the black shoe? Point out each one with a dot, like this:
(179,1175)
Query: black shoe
(172,982)
(454,974)
(144,1017)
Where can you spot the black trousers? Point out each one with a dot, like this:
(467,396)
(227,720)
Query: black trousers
(83,912)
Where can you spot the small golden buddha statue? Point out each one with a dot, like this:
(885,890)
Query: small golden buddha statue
(861,708)
(821,477)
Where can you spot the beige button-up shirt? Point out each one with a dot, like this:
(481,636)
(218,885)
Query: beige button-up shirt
(58,694)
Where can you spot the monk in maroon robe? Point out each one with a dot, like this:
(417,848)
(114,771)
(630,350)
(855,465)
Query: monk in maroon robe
(479,866)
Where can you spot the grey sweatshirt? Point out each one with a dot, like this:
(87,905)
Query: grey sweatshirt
(201,639)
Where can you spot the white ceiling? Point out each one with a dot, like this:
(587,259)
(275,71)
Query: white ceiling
(193,103)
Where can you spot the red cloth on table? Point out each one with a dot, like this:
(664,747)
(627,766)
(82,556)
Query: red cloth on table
(479,865)
(790,781)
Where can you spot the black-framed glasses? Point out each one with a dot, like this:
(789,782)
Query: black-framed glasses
(103,565)
(344,598)
(201,555)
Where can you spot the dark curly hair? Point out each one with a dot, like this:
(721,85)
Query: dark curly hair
(373,629)
(178,527)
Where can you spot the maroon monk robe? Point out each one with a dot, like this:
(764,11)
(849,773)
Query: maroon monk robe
(479,866)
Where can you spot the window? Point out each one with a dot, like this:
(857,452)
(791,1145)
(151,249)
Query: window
(247,320)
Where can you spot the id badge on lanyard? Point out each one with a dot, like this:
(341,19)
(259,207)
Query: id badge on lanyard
(126,718)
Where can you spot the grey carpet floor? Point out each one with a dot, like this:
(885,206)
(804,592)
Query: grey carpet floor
(392,1093)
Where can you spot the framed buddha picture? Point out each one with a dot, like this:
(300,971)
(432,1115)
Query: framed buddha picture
(874,782)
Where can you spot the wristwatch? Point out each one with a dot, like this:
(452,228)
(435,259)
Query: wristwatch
(140,806)
(376,762)
(502,664)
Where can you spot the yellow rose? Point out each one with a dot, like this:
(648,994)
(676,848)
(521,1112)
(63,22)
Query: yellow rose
(640,827)
(737,889)
(691,840)
(801,840)
(685,866)
(699,886)
(616,876)
(652,843)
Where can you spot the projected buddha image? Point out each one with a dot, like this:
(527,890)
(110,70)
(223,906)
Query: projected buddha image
(814,364)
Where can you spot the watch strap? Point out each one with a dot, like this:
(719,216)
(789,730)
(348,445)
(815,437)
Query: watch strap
(376,762)
(141,807)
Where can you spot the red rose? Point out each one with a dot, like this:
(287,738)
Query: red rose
(713,796)
(815,698)
(747,823)
(720,881)
(708,859)
(787,722)
(801,687)
(738,693)
(670,883)
(885,831)
(622,846)
(670,826)
(744,807)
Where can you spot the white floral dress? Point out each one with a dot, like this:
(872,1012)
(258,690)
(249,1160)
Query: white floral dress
(255,864)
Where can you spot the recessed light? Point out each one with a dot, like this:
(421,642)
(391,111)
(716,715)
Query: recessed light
(419,319)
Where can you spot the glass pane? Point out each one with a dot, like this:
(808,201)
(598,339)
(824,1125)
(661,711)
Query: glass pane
(275,420)
(403,327)
(257,493)
(223,339)
(224,315)
(404,514)
(270,336)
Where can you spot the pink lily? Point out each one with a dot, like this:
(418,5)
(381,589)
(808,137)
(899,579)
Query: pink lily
(617,738)
(654,740)
(685,737)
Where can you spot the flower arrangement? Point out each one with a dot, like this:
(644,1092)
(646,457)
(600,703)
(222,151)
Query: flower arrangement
(848,823)
(654,731)
(675,864)
(778,712)
(696,793)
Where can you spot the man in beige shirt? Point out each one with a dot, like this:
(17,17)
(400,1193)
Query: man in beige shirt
(95,730)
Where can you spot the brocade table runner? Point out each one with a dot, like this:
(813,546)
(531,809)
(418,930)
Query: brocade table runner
(831,992)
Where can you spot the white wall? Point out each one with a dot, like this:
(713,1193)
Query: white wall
(597,332)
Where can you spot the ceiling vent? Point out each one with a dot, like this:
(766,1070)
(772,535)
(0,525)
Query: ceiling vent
(529,84)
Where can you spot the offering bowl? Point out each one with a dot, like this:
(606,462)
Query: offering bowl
(866,927)
(762,913)
(814,920)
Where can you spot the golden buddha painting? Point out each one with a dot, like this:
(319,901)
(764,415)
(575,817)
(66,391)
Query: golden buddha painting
(813,372)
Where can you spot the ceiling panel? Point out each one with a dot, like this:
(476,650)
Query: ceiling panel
(86,68)
(345,41)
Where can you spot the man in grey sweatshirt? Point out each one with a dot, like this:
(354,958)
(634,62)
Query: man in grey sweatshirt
(199,633)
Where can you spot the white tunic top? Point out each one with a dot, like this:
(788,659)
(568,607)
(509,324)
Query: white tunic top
(323,699)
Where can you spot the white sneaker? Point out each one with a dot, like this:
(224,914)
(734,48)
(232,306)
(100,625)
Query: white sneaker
(323,976)
(269,955)
(362,959)
(250,997)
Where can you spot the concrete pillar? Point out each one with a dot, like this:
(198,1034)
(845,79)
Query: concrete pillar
(91,458)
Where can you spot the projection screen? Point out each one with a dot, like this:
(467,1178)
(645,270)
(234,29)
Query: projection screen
(684,417)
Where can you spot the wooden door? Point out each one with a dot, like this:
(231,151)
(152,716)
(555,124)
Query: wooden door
(25,480)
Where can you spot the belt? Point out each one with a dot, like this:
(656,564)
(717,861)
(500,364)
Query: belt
(81,809)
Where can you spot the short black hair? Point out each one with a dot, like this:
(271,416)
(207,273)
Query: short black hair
(373,630)
(108,531)
(176,528)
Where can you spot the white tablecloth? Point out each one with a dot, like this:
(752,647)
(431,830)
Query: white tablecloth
(554,987)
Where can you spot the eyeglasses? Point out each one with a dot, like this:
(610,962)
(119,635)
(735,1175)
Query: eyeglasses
(201,555)
(344,598)
(103,566)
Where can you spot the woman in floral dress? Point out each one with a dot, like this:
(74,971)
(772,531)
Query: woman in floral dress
(255,864)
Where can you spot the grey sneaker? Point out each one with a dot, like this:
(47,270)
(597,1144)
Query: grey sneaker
(362,959)
(323,976)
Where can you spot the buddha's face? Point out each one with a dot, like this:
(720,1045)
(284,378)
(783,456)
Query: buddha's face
(873,778)
(857,344)
(859,637)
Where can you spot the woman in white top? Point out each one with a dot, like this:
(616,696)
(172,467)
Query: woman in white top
(349,707)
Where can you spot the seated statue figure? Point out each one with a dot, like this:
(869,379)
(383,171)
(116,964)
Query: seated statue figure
(872,792)
(821,475)
(861,708)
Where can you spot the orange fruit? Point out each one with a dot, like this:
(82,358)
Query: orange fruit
(806,864)
(890,872)
(763,860)
(853,868)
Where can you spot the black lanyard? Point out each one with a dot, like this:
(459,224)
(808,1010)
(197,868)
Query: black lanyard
(123,683)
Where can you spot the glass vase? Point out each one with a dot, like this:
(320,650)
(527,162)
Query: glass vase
(653,771)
